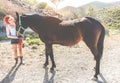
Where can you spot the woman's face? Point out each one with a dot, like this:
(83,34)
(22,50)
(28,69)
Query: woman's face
(11,20)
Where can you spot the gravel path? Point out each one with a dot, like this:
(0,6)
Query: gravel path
(74,64)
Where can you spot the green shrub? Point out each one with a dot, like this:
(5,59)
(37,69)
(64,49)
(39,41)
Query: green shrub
(42,5)
(31,42)
(3,38)
(32,2)
(34,42)
(32,36)
(32,39)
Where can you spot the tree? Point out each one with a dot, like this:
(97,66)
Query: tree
(56,2)
(42,5)
(31,2)
(91,11)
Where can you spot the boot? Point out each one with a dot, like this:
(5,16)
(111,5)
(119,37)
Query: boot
(16,61)
(21,60)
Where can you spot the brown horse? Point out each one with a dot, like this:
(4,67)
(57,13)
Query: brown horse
(52,30)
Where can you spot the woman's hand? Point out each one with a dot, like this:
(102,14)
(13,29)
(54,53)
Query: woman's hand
(21,38)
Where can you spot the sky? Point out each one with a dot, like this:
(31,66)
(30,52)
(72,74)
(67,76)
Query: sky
(74,3)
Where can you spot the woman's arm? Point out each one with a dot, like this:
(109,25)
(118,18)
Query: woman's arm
(8,34)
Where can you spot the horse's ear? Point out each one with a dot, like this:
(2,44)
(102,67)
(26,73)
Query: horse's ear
(23,14)
(17,15)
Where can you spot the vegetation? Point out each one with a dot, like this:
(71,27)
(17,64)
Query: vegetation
(2,12)
(31,2)
(110,17)
(42,5)
(33,39)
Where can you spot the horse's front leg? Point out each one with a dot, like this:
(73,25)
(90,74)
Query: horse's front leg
(46,56)
(49,52)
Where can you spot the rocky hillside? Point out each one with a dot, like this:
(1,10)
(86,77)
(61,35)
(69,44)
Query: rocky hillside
(11,6)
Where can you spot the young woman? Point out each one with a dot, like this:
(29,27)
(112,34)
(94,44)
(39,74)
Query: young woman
(12,34)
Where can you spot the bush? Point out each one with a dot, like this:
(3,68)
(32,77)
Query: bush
(34,42)
(32,36)
(3,38)
(32,2)
(32,39)
(42,5)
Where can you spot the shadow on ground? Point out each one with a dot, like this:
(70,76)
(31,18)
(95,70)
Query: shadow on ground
(47,78)
(11,74)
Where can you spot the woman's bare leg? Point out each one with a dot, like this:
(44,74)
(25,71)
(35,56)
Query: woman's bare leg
(15,53)
(20,50)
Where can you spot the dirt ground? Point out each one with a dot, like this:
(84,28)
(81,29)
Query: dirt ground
(74,64)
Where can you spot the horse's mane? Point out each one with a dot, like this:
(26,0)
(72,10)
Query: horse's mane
(53,19)
(46,18)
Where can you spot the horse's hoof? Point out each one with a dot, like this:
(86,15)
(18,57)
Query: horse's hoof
(94,69)
(44,66)
(51,70)
(94,79)
(54,66)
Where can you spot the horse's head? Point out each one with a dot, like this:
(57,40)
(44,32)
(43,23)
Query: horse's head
(20,25)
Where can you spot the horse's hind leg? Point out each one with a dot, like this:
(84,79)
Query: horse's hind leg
(52,58)
(49,52)
(94,50)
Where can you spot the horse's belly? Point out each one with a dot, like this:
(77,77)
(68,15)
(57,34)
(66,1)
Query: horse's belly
(69,42)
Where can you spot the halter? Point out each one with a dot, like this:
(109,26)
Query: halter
(20,27)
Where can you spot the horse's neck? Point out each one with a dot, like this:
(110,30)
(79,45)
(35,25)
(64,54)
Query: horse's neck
(33,26)
(34,29)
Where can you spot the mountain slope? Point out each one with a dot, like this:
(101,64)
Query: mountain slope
(99,4)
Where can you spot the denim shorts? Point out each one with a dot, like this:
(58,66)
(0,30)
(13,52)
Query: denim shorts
(14,41)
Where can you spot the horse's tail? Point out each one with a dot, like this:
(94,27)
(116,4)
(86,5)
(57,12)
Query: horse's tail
(101,40)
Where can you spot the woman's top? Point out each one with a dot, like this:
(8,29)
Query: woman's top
(12,30)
